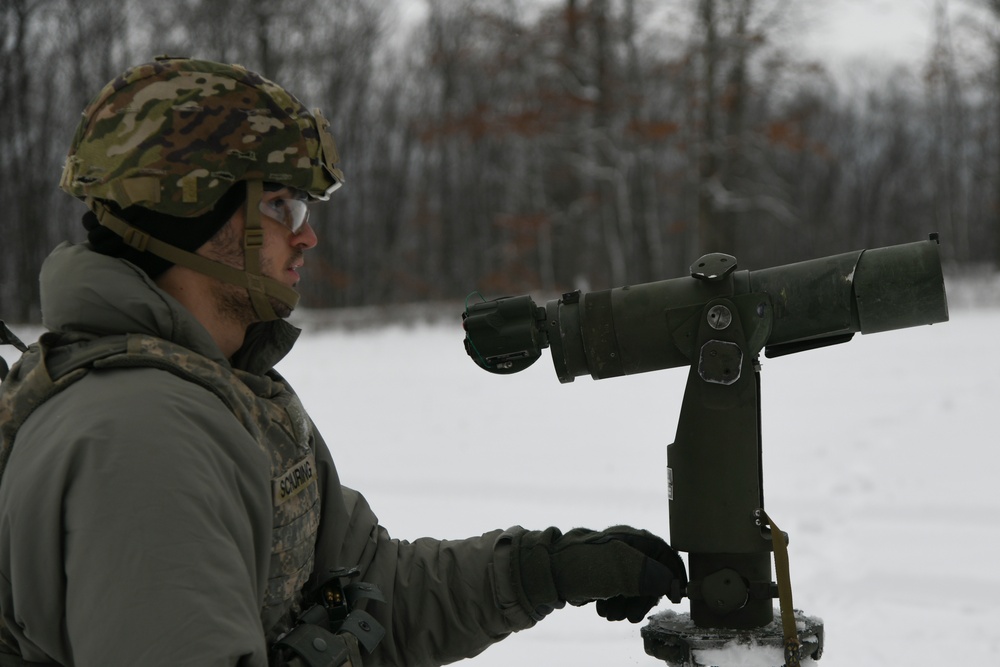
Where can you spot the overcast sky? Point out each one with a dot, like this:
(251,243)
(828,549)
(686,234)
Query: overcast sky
(846,30)
(838,32)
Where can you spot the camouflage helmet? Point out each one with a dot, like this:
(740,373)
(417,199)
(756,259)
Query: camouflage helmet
(174,134)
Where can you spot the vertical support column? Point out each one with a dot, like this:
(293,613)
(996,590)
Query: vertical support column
(717,483)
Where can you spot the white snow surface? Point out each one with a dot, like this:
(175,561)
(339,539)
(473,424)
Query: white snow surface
(738,655)
(881,462)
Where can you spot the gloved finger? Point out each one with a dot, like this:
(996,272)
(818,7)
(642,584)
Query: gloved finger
(658,579)
(636,609)
(653,547)
(620,607)
(612,609)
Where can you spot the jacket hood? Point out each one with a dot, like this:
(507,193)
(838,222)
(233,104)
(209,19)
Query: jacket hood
(82,290)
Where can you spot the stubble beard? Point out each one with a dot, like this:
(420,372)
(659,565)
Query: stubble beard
(233,302)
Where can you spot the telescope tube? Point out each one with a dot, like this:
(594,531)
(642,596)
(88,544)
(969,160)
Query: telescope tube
(648,327)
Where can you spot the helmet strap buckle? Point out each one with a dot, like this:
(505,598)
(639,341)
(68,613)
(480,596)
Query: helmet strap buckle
(136,238)
(253,237)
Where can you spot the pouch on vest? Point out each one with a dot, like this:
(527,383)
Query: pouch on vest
(331,631)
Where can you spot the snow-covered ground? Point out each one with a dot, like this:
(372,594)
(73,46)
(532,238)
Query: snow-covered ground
(882,462)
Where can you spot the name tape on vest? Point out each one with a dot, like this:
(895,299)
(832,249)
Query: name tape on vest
(294,481)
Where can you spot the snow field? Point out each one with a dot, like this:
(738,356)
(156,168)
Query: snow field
(880,461)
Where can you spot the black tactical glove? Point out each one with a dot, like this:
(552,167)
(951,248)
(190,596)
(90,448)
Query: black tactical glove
(625,570)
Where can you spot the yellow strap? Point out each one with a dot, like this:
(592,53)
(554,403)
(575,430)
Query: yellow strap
(793,646)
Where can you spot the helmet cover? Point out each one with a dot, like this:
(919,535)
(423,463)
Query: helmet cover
(174,134)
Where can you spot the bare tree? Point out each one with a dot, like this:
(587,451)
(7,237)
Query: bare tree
(508,148)
(948,117)
(29,155)
(990,30)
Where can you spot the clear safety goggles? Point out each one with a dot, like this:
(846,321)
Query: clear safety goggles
(291,211)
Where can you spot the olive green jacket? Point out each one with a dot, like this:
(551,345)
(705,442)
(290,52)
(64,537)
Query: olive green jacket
(136,512)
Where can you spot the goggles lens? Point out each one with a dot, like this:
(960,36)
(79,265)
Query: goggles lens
(290,211)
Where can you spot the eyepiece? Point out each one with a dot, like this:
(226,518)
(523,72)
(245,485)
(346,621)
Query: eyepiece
(504,335)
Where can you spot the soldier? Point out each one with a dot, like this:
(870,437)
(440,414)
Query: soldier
(165,498)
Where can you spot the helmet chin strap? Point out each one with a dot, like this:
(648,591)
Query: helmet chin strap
(258,286)
(253,239)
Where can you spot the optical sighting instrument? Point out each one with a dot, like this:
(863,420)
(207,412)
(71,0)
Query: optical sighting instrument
(717,321)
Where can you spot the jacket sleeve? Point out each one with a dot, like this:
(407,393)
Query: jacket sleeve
(143,532)
(446,599)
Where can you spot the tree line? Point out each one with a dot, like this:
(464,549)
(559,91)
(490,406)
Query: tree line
(514,146)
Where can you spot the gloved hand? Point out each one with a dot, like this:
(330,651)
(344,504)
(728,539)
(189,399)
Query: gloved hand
(624,569)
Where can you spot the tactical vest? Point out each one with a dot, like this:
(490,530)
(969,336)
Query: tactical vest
(266,408)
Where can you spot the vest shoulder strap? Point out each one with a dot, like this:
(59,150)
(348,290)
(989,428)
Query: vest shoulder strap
(46,368)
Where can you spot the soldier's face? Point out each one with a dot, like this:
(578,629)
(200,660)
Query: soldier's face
(287,235)
(282,255)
